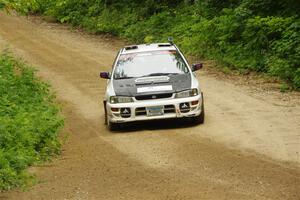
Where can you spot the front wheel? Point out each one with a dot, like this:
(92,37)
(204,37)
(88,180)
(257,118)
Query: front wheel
(105,112)
(112,126)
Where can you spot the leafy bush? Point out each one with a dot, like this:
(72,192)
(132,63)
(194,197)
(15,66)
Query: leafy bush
(29,122)
(259,35)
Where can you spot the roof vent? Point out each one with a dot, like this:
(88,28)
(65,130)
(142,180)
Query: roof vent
(131,47)
(165,45)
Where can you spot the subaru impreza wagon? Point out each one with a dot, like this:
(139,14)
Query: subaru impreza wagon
(152,82)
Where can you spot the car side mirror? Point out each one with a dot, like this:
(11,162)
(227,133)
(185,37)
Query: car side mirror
(197,66)
(105,75)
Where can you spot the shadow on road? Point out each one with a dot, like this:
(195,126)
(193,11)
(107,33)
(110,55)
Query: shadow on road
(155,125)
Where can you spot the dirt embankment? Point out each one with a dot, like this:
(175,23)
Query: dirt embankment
(248,147)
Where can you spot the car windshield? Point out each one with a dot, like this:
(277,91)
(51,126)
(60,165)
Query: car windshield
(152,63)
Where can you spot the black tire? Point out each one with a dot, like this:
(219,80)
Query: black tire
(112,126)
(200,119)
(105,113)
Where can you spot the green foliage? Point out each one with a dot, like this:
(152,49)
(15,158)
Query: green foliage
(26,6)
(259,35)
(2,4)
(29,122)
(284,87)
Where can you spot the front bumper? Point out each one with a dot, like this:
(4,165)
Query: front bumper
(138,109)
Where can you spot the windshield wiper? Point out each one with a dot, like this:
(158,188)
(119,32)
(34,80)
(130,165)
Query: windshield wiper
(125,77)
(160,74)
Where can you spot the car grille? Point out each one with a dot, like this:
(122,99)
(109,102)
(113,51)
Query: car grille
(141,111)
(154,96)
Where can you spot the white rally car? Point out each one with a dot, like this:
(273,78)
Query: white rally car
(151,82)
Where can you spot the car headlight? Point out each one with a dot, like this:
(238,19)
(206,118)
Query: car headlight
(116,99)
(187,93)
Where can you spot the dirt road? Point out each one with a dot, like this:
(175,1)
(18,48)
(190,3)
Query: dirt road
(248,147)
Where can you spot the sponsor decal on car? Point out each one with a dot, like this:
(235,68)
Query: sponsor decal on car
(154,88)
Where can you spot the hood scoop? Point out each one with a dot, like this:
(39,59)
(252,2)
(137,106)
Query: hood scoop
(151,80)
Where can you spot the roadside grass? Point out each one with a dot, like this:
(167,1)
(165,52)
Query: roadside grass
(30,122)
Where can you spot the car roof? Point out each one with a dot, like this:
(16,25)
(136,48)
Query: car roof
(148,47)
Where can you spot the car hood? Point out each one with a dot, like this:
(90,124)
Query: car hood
(152,85)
